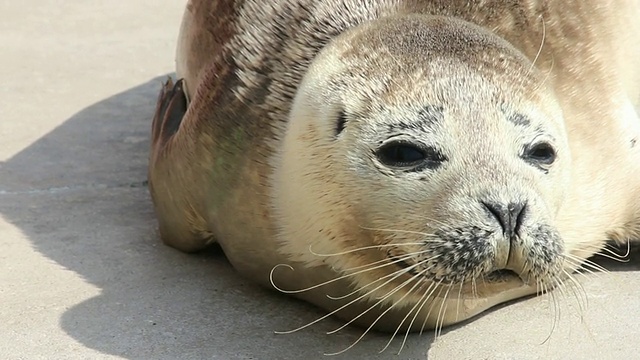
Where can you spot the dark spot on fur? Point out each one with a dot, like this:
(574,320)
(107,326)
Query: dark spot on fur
(519,119)
(427,117)
(340,122)
(633,142)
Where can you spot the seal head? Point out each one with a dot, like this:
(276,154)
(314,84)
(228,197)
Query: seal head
(424,157)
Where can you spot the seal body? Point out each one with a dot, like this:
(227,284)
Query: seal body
(402,164)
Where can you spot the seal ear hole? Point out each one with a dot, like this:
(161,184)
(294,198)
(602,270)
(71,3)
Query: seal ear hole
(540,154)
(406,155)
(341,122)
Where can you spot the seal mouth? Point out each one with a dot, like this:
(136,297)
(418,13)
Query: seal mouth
(496,276)
(502,275)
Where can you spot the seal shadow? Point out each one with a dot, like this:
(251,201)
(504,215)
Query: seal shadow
(153,301)
(88,210)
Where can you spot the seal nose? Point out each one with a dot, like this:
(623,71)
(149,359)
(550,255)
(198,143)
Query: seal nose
(509,216)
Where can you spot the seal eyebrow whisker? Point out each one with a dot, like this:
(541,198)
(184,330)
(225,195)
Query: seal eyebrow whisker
(546,76)
(544,35)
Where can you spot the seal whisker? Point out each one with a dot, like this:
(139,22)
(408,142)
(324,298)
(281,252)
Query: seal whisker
(419,263)
(424,217)
(442,313)
(586,263)
(401,231)
(409,312)
(386,260)
(397,275)
(378,318)
(610,257)
(422,302)
(547,74)
(544,36)
(474,287)
(326,282)
(554,308)
(405,318)
(459,298)
(564,288)
(380,300)
(538,287)
(609,250)
(576,263)
(376,280)
(579,291)
(371,247)
(424,322)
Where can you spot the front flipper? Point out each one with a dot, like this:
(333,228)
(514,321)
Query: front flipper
(176,182)
(170,109)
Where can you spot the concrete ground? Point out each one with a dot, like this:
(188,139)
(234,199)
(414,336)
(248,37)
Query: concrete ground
(82,272)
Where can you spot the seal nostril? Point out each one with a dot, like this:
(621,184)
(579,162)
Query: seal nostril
(510,216)
(519,210)
(498,212)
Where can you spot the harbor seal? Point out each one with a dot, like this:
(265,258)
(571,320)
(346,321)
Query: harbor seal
(401,164)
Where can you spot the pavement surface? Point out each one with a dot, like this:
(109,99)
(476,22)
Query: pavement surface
(83,274)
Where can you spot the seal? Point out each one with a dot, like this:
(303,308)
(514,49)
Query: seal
(402,164)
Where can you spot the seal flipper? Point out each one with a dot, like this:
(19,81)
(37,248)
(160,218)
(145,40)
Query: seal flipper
(172,179)
(170,109)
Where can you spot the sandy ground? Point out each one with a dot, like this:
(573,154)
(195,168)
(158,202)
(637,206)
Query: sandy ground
(82,272)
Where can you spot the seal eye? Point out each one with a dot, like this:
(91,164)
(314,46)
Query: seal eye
(541,154)
(401,154)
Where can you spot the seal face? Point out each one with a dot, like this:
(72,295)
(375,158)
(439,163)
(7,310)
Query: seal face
(442,171)
(403,158)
